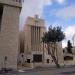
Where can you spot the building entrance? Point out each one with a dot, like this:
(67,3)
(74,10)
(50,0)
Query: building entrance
(37,58)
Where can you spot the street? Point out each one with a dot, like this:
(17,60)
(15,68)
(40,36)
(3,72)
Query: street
(46,71)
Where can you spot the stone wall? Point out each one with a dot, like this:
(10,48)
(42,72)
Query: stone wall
(9,36)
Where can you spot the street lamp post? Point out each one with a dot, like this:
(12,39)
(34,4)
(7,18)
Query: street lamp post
(73,38)
(5,62)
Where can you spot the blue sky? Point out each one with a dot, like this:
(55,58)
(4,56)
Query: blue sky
(54,12)
(50,16)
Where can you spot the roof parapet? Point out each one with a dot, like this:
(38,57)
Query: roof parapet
(17,3)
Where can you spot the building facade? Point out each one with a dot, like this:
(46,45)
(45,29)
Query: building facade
(34,50)
(9,32)
(33,31)
(69,58)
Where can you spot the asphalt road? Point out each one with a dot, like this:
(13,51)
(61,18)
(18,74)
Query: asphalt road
(46,71)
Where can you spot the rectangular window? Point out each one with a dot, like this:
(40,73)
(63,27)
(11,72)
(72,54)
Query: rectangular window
(1,13)
(68,58)
(37,58)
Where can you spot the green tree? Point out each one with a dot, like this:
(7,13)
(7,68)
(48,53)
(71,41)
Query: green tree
(69,47)
(50,38)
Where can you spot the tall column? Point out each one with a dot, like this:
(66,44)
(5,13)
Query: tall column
(31,37)
(35,38)
(38,38)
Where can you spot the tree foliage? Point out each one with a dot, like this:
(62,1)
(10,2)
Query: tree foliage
(69,47)
(54,34)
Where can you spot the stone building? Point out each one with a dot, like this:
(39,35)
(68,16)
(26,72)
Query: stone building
(9,32)
(69,58)
(34,51)
(33,32)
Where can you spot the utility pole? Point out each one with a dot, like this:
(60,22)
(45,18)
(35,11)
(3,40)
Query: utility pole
(73,38)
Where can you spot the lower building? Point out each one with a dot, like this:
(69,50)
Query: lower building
(69,58)
(34,51)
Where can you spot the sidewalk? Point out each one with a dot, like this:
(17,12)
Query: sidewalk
(68,70)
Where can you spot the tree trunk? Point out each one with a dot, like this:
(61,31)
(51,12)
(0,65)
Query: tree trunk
(55,61)
(53,56)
